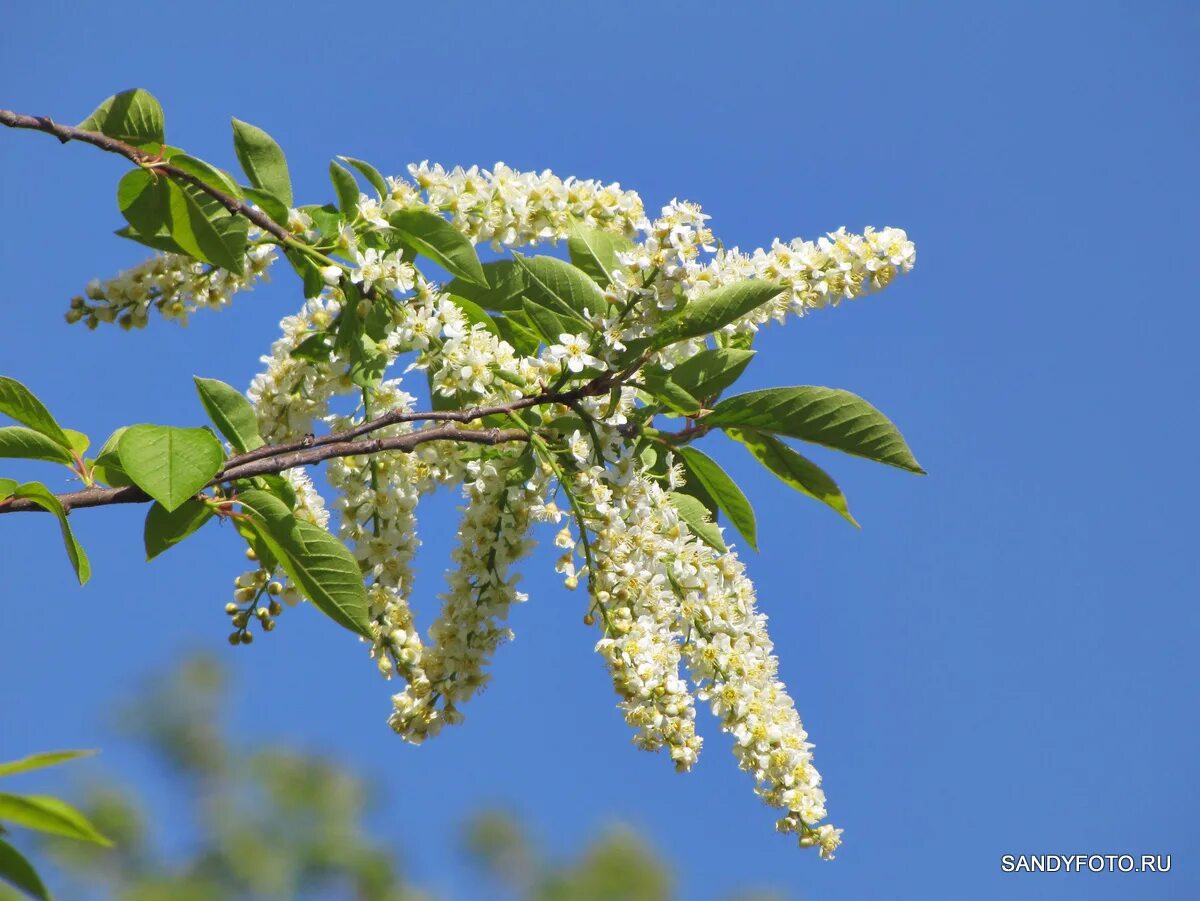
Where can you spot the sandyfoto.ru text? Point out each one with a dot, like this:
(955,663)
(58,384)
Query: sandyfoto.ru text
(1089,863)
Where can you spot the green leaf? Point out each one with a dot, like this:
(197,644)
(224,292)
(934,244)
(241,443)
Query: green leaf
(796,470)
(314,282)
(40,495)
(711,311)
(315,347)
(268,203)
(231,413)
(694,514)
(711,371)
(545,321)
(193,230)
(475,313)
(827,416)
(517,330)
(561,287)
(170,464)
(7,488)
(346,188)
(723,490)
(210,175)
(50,815)
(19,402)
(370,173)
(503,293)
(274,484)
(134,117)
(107,465)
(142,199)
(319,565)
(20,874)
(673,396)
(40,760)
(21,443)
(79,441)
(262,160)
(160,241)
(595,251)
(367,365)
(432,236)
(164,529)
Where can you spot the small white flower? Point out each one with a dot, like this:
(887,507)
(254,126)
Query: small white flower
(573,353)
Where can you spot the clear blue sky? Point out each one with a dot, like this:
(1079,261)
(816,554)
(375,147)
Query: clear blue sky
(1003,660)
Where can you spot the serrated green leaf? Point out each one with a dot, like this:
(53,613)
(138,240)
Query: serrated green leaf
(545,321)
(345,187)
(46,814)
(168,463)
(827,416)
(209,174)
(475,313)
(315,347)
(310,274)
(729,498)
(40,760)
(326,219)
(711,371)
(42,496)
(268,203)
(262,160)
(231,413)
(107,465)
(274,484)
(165,528)
(671,395)
(79,441)
(134,117)
(18,442)
(794,469)
(160,241)
(19,403)
(142,200)
(20,874)
(710,312)
(370,173)
(432,236)
(192,230)
(595,251)
(518,331)
(506,284)
(319,565)
(694,514)
(559,286)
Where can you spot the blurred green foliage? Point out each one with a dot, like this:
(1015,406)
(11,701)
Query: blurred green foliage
(275,823)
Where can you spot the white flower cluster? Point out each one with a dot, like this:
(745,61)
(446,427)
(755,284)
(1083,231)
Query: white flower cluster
(635,554)
(492,536)
(173,284)
(667,268)
(665,602)
(730,658)
(514,209)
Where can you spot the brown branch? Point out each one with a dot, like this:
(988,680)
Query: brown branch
(141,157)
(282,458)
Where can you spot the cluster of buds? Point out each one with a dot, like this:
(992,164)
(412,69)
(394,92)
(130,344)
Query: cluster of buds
(256,598)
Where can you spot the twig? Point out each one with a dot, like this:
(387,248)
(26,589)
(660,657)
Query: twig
(140,157)
(282,458)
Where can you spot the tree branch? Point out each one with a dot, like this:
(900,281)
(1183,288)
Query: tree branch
(280,458)
(140,157)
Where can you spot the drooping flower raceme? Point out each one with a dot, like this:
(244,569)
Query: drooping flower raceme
(672,602)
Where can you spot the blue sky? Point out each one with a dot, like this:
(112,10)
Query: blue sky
(1001,661)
